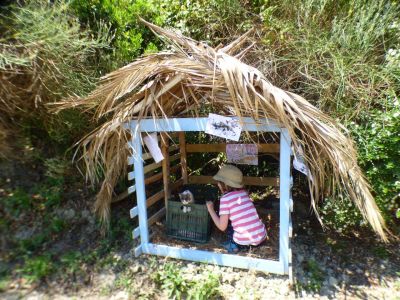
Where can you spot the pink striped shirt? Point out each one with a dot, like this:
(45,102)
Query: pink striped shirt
(248,229)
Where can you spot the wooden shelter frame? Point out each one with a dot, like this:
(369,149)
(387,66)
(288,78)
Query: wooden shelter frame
(282,266)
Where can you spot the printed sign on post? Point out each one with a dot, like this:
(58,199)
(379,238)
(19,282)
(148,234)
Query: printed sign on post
(245,154)
(152,144)
(225,127)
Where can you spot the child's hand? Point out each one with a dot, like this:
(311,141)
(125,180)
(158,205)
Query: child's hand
(210,205)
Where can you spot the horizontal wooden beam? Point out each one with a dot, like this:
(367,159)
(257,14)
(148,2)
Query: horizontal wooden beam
(256,181)
(262,148)
(150,221)
(133,212)
(138,251)
(147,180)
(159,195)
(156,197)
(199,124)
(154,218)
(151,167)
(230,260)
(136,233)
(175,157)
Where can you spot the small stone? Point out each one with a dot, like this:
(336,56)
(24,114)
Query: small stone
(134,269)
(121,295)
(324,290)
(359,271)
(85,214)
(69,214)
(300,257)
(24,234)
(333,281)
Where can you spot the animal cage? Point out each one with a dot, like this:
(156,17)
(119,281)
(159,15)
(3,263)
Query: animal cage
(180,126)
(191,222)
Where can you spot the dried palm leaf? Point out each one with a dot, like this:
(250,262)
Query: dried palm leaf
(193,74)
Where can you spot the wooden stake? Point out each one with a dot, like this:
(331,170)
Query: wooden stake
(182,145)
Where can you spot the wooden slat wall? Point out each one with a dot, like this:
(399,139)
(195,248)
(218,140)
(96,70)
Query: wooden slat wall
(153,166)
(247,180)
(160,195)
(147,155)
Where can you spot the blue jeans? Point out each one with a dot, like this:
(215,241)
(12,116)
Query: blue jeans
(229,234)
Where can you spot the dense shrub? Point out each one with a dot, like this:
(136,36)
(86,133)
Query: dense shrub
(378,137)
(343,57)
(45,56)
(130,38)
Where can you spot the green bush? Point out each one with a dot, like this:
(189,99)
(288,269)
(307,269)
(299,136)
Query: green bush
(314,278)
(343,57)
(206,288)
(213,21)
(36,268)
(47,56)
(171,279)
(16,202)
(130,38)
(378,142)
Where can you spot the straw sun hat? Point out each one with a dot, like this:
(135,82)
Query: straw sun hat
(230,175)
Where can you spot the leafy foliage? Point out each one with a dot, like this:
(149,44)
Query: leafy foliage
(130,38)
(44,56)
(343,56)
(171,279)
(37,268)
(314,279)
(379,148)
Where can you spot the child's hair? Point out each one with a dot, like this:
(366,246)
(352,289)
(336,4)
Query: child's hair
(228,188)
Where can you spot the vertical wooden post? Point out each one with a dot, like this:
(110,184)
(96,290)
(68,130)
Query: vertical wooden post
(165,166)
(182,149)
(139,182)
(284,203)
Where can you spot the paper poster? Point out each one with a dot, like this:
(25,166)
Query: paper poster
(299,164)
(225,127)
(245,154)
(152,144)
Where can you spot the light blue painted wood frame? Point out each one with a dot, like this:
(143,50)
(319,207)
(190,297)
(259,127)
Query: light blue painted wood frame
(199,124)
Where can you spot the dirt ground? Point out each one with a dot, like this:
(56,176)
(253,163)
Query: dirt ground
(267,250)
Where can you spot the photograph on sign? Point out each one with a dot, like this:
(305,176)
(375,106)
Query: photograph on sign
(245,154)
(225,127)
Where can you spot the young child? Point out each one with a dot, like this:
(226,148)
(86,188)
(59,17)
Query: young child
(236,206)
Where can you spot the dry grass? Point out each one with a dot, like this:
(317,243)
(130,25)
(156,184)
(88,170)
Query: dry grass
(193,75)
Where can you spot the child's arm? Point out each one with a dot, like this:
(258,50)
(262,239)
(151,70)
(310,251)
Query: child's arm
(222,221)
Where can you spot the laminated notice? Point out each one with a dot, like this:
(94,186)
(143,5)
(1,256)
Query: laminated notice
(152,144)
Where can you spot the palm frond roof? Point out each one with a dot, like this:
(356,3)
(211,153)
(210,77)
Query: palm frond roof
(192,74)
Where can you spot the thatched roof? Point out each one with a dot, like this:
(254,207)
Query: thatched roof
(192,75)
